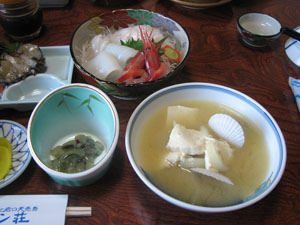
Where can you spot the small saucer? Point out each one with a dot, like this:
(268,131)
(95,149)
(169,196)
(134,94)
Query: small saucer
(16,134)
(292,49)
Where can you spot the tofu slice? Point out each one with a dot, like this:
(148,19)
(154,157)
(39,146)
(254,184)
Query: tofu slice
(182,115)
(186,141)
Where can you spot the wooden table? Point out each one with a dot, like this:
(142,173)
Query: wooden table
(217,56)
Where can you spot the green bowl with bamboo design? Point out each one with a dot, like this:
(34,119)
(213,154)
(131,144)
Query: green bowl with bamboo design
(64,113)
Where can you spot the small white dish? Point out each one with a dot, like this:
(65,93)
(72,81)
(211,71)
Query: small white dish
(292,49)
(32,88)
(259,30)
(16,134)
(59,63)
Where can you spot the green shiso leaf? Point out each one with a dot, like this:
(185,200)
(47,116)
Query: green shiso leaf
(136,44)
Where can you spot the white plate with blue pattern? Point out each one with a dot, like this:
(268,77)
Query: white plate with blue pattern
(292,49)
(16,134)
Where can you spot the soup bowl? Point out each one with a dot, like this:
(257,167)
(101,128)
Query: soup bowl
(63,114)
(117,20)
(235,100)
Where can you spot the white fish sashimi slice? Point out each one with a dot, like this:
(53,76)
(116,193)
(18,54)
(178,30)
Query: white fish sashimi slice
(98,43)
(123,53)
(104,66)
(134,33)
(213,174)
(227,128)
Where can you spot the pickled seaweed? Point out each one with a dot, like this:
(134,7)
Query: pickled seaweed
(76,155)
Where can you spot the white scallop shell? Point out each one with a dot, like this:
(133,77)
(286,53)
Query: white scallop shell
(227,128)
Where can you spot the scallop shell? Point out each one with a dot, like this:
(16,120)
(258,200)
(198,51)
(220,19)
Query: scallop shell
(227,128)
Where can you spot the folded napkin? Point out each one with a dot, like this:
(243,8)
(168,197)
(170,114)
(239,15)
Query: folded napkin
(295,86)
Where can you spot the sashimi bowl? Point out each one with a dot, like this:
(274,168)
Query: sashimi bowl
(129,53)
(72,134)
(205,147)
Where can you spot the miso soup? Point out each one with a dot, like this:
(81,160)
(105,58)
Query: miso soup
(247,170)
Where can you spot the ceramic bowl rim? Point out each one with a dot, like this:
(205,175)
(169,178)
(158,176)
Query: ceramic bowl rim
(143,84)
(201,4)
(109,152)
(198,208)
(254,34)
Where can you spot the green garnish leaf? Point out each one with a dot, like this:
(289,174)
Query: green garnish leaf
(136,44)
(161,41)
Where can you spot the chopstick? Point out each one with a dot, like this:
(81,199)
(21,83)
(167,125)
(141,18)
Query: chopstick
(78,211)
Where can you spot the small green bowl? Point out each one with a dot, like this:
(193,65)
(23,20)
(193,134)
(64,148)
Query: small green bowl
(124,18)
(65,112)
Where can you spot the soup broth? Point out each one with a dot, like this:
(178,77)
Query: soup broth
(247,170)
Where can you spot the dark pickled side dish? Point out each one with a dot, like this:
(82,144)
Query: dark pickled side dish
(76,155)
